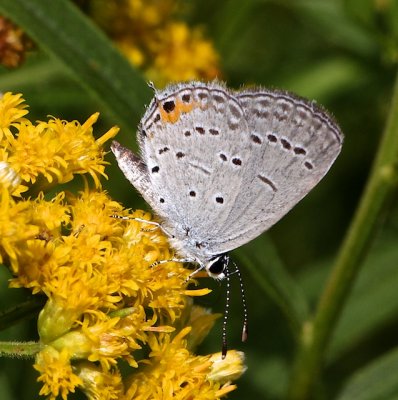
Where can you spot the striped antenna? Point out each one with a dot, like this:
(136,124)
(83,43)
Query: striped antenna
(245,330)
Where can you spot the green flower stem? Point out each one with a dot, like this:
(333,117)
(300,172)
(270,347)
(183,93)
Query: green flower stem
(19,349)
(316,334)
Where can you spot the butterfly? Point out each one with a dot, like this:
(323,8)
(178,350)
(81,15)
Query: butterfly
(220,166)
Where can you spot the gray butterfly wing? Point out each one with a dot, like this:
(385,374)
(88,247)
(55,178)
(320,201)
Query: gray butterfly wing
(222,167)
(191,141)
(292,143)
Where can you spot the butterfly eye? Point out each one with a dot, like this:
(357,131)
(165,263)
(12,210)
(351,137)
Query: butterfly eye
(217,265)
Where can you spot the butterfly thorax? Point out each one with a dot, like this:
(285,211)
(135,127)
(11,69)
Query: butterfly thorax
(190,247)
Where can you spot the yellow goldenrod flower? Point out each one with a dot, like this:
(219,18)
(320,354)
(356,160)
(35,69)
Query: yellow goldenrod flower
(12,112)
(100,385)
(173,372)
(227,369)
(56,373)
(152,39)
(51,152)
(56,150)
(50,215)
(136,17)
(9,179)
(15,228)
(201,320)
(132,52)
(181,54)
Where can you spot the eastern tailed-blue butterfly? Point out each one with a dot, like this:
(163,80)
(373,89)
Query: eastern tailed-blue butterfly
(219,167)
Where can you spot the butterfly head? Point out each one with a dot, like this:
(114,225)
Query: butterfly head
(216,267)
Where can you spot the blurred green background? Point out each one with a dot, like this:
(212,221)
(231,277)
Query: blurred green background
(343,54)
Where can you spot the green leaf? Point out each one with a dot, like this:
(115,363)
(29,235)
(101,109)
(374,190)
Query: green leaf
(372,303)
(330,19)
(64,32)
(376,381)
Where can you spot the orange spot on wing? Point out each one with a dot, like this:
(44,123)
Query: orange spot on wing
(180,108)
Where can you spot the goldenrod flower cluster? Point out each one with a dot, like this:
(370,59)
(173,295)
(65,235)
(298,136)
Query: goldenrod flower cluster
(105,304)
(154,39)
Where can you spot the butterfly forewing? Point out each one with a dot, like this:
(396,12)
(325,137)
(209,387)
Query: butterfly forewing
(195,159)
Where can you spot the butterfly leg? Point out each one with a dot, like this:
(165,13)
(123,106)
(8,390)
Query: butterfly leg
(193,273)
(179,260)
(145,221)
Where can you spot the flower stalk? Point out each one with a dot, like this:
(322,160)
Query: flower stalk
(20,349)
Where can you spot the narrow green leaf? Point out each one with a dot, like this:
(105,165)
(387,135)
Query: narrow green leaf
(376,381)
(330,20)
(63,31)
(372,303)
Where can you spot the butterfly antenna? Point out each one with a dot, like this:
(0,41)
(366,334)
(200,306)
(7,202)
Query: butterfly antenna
(224,346)
(245,330)
(155,91)
(152,86)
